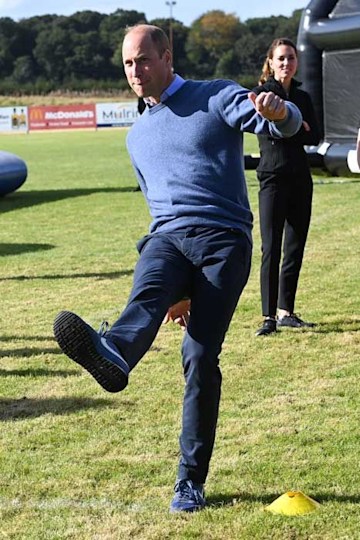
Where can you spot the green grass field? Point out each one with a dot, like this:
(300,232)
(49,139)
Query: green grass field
(77,463)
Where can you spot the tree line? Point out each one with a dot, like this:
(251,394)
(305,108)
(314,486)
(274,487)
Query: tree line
(82,52)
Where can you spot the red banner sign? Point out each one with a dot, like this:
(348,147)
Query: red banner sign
(62,117)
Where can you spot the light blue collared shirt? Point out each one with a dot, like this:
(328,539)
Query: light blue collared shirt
(173,87)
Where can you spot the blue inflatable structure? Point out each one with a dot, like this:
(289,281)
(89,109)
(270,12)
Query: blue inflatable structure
(13,173)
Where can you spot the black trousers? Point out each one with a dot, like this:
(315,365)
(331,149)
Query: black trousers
(285,210)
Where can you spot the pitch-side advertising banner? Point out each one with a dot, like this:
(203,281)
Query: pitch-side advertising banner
(13,119)
(116,114)
(62,117)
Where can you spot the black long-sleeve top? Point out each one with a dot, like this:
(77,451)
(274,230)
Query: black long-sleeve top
(288,155)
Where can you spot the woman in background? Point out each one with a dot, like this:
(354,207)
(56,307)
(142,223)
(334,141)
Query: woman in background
(285,194)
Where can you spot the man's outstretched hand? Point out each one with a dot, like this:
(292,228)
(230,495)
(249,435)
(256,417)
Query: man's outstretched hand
(269,105)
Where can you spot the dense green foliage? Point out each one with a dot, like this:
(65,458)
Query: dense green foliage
(83,51)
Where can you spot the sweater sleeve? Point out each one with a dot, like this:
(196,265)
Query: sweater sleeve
(290,125)
(238,111)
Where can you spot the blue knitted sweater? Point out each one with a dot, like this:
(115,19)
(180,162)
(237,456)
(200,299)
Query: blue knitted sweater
(188,155)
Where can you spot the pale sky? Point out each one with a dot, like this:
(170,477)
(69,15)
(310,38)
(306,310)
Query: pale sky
(185,11)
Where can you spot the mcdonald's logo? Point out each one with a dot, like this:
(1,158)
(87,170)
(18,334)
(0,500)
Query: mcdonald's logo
(36,114)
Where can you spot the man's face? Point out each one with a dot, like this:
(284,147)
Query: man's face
(147,73)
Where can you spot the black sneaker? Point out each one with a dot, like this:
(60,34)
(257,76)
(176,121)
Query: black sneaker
(189,497)
(268,327)
(93,351)
(293,321)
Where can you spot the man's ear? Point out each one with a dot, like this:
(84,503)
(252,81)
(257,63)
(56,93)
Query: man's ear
(168,56)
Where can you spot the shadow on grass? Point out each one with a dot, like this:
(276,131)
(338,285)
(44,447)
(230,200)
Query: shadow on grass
(335,497)
(18,409)
(96,275)
(220,500)
(27,352)
(31,372)
(17,249)
(26,199)
(236,498)
(338,326)
(26,338)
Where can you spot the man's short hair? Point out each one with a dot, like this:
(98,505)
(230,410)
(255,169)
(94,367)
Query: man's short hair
(157,35)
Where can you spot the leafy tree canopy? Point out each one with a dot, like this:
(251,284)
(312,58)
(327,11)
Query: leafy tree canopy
(58,52)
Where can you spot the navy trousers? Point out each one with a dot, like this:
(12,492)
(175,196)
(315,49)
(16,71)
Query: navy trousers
(211,266)
(285,211)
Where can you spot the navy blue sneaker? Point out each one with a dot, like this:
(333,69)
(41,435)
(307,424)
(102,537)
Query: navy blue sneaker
(91,350)
(294,321)
(189,497)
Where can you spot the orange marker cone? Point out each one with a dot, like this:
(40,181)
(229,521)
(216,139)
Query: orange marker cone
(293,503)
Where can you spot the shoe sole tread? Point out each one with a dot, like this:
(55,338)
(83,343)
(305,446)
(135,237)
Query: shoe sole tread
(74,339)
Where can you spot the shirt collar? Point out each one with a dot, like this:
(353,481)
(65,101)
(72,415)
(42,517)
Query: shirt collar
(173,87)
